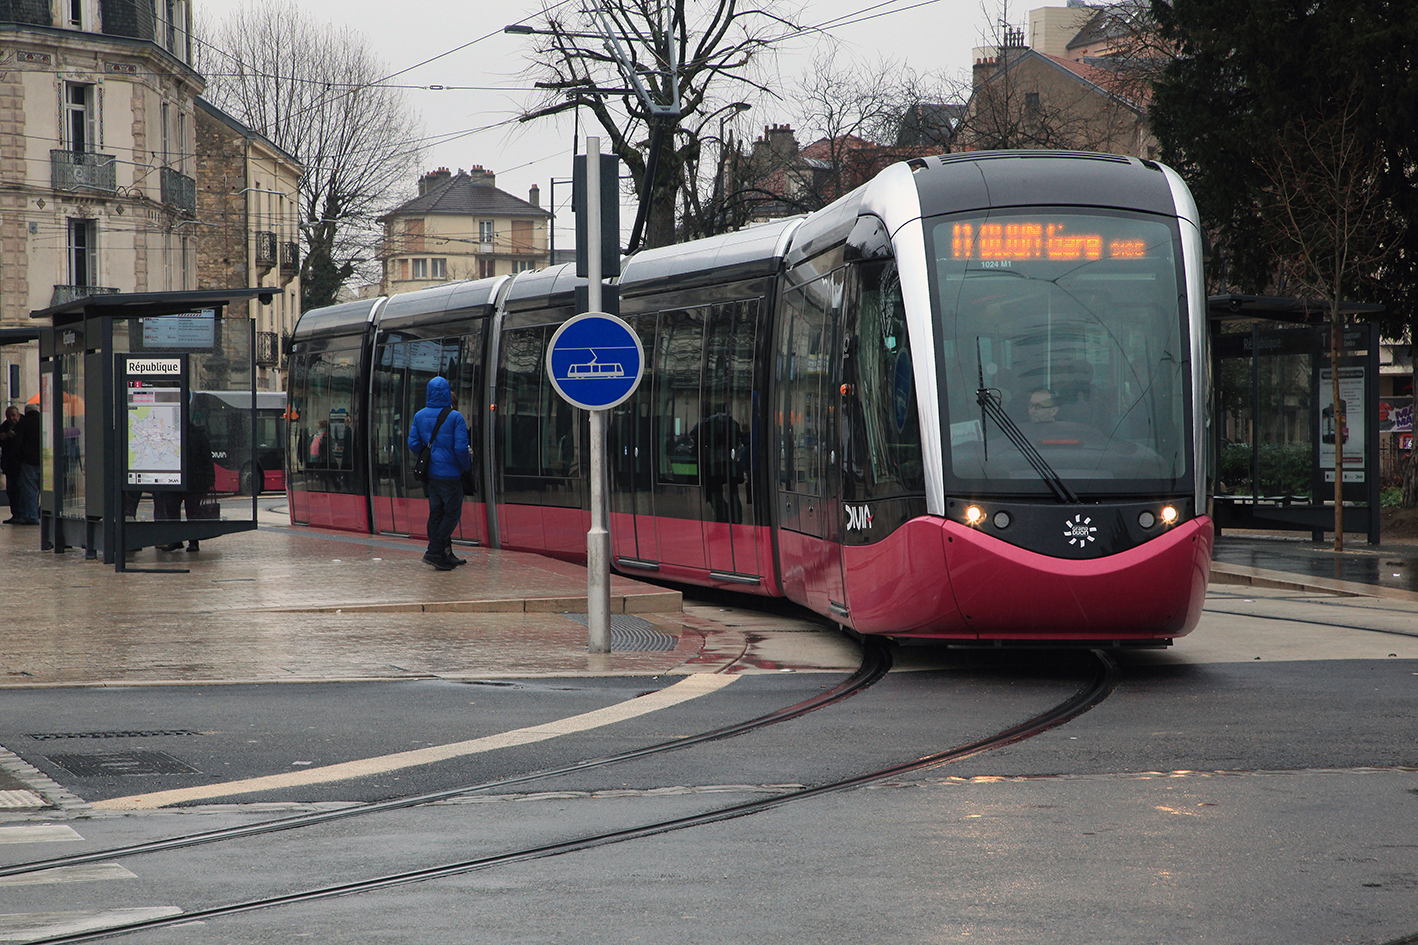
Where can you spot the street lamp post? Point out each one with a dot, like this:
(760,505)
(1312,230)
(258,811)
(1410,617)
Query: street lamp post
(731,111)
(551,232)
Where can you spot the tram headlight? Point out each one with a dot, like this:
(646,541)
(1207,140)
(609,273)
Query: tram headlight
(1169,515)
(1146,519)
(1002,519)
(974,515)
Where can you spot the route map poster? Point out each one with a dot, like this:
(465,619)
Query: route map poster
(155,396)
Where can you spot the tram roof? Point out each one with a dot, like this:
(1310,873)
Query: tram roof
(441,303)
(743,254)
(347,318)
(981,180)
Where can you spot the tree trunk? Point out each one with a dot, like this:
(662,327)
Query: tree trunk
(1336,341)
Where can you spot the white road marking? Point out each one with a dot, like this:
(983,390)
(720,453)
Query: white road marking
(24,926)
(38,833)
(691,687)
(86,873)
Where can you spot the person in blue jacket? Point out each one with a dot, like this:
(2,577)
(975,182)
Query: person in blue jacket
(448,460)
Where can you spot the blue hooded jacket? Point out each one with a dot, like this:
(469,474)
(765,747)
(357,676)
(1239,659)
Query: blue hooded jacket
(450,457)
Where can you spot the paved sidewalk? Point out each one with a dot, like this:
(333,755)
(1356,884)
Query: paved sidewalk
(286,604)
(1286,562)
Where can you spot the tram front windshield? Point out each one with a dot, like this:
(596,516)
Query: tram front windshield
(1071,325)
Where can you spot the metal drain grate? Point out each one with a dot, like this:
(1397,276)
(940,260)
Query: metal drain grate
(631,633)
(153,733)
(121,764)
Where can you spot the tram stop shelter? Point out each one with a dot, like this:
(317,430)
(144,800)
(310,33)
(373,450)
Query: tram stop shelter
(1276,424)
(120,382)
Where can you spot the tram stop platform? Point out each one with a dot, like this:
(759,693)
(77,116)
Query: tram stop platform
(281,603)
(1287,562)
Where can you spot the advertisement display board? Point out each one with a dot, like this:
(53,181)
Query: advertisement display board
(1342,428)
(154,412)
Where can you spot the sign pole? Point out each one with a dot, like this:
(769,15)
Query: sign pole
(598,538)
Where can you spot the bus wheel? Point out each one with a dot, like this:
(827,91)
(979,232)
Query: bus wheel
(251,478)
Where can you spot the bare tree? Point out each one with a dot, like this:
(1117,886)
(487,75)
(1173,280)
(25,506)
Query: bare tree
(707,52)
(314,90)
(1331,225)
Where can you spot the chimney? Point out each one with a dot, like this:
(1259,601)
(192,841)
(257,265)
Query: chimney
(478,175)
(781,140)
(434,179)
(534,196)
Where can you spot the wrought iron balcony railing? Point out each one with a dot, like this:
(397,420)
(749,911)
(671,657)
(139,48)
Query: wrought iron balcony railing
(178,190)
(64,294)
(290,257)
(265,248)
(268,350)
(83,170)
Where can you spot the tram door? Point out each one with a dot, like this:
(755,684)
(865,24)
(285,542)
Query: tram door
(631,452)
(678,408)
(402,370)
(809,503)
(725,439)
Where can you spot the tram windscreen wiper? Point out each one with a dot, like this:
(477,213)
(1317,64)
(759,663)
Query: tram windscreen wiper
(991,408)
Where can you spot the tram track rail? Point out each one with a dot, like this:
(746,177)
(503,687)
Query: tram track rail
(1089,694)
(876,663)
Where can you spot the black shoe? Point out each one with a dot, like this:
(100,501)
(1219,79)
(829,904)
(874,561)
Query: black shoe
(453,559)
(442,564)
(175,546)
(11,520)
(193,546)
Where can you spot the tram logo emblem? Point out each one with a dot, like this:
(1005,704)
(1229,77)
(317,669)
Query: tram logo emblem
(1080,531)
(858,518)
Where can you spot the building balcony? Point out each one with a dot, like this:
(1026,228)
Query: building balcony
(290,258)
(178,190)
(64,294)
(266,249)
(83,170)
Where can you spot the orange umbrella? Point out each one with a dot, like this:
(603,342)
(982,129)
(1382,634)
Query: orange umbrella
(73,403)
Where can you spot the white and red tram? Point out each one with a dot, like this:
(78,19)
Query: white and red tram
(966,401)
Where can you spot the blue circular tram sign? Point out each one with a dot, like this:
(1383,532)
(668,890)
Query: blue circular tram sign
(595,361)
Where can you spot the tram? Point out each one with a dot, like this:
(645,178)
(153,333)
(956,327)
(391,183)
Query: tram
(966,401)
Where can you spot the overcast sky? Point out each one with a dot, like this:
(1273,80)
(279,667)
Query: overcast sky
(469,126)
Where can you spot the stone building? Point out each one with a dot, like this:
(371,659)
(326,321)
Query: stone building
(460,226)
(97,193)
(249,235)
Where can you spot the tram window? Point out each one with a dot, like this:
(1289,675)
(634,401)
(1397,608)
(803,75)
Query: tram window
(390,418)
(469,385)
(560,453)
(724,435)
(325,442)
(805,362)
(883,439)
(1100,336)
(519,406)
(678,396)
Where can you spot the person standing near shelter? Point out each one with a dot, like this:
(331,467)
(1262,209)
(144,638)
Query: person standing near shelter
(10,459)
(201,475)
(442,428)
(31,457)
